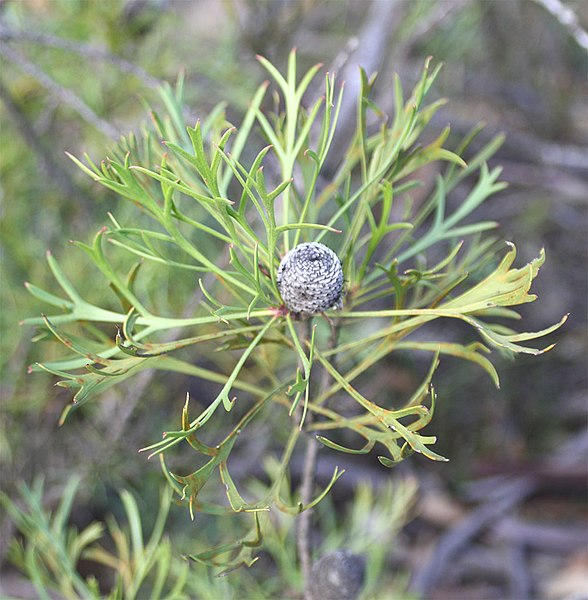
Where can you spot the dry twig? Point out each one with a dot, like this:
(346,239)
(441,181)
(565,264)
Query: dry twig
(497,505)
(50,167)
(568,18)
(85,50)
(65,95)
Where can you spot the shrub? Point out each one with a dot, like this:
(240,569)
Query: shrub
(218,209)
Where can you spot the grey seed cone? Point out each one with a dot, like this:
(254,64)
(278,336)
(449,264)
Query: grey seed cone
(310,279)
(339,575)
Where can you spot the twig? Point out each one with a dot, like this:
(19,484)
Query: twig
(520,582)
(306,488)
(65,95)
(303,523)
(501,496)
(522,145)
(568,18)
(458,537)
(309,477)
(50,167)
(135,392)
(555,539)
(367,51)
(370,50)
(428,23)
(90,52)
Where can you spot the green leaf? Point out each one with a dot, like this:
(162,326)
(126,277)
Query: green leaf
(333,446)
(237,554)
(235,499)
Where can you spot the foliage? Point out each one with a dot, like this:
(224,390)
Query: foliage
(220,208)
(53,549)
(51,552)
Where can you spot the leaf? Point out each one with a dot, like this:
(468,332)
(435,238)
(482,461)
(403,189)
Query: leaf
(235,499)
(508,341)
(240,552)
(193,483)
(390,427)
(445,227)
(298,387)
(333,446)
(299,506)
(472,352)
(504,287)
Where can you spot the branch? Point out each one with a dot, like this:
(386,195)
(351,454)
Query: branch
(525,146)
(66,96)
(51,168)
(434,19)
(303,528)
(568,18)
(306,487)
(369,50)
(497,505)
(86,50)
(309,470)
(501,496)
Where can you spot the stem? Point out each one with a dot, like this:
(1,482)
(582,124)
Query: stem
(309,473)
(303,525)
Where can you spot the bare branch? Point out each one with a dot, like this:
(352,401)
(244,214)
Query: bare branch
(86,50)
(47,162)
(568,18)
(435,18)
(65,95)
(368,50)
(303,529)
(504,499)
(309,472)
(306,489)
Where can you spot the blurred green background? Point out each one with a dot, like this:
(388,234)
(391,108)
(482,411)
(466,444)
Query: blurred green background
(74,74)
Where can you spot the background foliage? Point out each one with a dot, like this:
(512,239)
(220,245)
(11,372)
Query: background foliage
(510,63)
